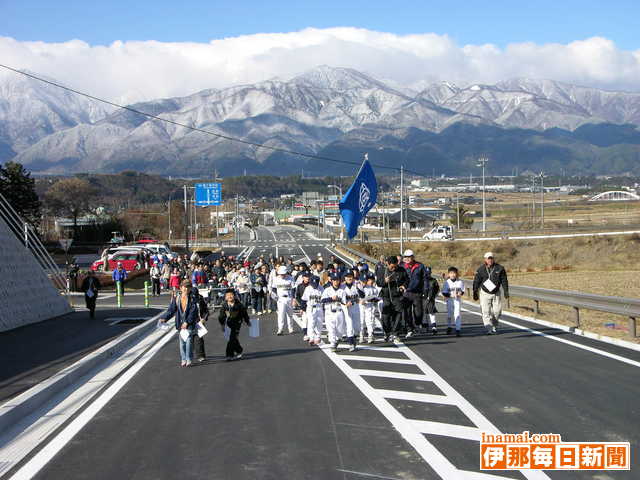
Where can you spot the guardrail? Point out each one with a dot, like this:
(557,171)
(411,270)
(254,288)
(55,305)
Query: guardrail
(627,307)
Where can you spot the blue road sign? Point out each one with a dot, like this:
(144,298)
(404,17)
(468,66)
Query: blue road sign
(208,194)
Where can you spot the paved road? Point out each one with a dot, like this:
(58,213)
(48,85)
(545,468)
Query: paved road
(404,411)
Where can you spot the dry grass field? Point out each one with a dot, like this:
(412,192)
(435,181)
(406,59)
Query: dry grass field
(600,265)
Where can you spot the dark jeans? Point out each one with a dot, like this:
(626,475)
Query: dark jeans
(198,347)
(233,345)
(391,319)
(155,286)
(91,304)
(245,299)
(257,300)
(413,311)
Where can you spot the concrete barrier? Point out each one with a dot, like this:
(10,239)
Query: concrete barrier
(26,292)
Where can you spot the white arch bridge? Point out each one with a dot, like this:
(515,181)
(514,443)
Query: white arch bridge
(614,196)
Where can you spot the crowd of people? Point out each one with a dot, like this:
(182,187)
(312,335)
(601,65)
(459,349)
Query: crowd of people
(396,297)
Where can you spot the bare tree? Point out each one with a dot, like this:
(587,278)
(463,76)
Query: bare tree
(72,197)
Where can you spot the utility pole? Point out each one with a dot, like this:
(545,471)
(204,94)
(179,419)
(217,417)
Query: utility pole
(542,198)
(215,179)
(482,162)
(237,227)
(401,209)
(186,220)
(458,208)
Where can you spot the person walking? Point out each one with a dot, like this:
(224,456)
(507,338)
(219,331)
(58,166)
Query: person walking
(453,290)
(90,286)
(283,290)
(393,282)
(413,311)
(155,275)
(119,275)
(232,314)
(203,314)
(489,278)
(184,309)
(353,322)
(334,299)
(430,292)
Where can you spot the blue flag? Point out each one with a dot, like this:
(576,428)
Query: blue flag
(359,199)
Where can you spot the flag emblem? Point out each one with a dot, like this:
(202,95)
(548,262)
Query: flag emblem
(365,196)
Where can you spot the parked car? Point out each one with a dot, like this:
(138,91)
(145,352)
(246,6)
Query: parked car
(160,249)
(439,232)
(131,260)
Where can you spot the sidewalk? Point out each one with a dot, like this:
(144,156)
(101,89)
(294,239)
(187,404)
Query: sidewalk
(34,352)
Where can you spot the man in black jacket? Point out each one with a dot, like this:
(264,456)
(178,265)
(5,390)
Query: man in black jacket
(490,277)
(232,314)
(393,282)
(413,311)
(90,287)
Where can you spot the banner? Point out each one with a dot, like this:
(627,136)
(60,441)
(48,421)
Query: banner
(359,199)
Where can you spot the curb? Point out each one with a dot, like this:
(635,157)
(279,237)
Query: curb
(28,402)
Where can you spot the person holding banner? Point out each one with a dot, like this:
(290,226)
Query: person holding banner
(232,314)
(359,199)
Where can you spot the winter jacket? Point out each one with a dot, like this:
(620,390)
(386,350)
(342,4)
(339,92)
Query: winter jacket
(190,315)
(497,274)
(233,315)
(390,292)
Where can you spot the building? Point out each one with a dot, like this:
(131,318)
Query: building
(412,219)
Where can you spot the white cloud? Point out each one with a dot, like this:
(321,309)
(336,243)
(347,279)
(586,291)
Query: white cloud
(132,71)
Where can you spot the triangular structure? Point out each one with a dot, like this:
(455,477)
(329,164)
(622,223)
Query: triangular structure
(27,295)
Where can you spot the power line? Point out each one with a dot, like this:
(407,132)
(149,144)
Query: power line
(196,129)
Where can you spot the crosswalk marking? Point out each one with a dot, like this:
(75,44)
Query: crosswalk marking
(365,358)
(446,429)
(391,374)
(416,397)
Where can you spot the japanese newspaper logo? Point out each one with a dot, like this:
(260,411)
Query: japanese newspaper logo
(524,451)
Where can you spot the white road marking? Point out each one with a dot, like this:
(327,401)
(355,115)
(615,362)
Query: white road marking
(413,431)
(365,358)
(37,462)
(416,397)
(565,341)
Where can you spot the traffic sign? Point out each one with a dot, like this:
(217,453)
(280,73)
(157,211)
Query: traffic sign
(65,243)
(208,194)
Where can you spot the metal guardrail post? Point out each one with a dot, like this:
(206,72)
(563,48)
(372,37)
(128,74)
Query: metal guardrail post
(119,293)
(536,309)
(146,294)
(576,316)
(633,327)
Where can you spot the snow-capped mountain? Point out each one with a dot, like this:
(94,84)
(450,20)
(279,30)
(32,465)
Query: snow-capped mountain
(323,110)
(31,110)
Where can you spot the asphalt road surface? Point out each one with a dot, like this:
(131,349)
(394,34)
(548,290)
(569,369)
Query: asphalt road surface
(410,410)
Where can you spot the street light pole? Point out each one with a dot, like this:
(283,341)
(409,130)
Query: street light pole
(542,198)
(482,162)
(401,209)
(458,208)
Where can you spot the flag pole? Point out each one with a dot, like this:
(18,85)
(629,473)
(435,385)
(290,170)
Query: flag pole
(401,209)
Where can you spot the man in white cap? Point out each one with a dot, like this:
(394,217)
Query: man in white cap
(490,277)
(282,288)
(413,311)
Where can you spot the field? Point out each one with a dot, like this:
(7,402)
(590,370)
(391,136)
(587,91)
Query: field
(600,265)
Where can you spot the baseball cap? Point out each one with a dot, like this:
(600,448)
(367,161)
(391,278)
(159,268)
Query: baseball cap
(488,255)
(282,270)
(408,253)
(335,276)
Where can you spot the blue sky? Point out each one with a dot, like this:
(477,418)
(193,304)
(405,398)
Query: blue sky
(468,22)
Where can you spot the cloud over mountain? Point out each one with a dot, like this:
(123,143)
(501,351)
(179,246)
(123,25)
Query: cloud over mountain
(143,70)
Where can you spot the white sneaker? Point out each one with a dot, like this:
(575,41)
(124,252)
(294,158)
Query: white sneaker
(352,348)
(409,335)
(493,330)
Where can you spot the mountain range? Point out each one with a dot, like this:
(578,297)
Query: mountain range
(338,113)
